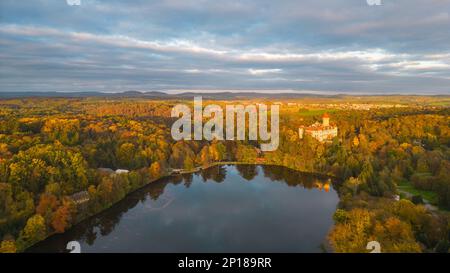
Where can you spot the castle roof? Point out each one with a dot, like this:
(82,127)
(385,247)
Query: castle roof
(318,127)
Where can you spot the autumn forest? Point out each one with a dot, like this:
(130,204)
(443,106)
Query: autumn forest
(63,160)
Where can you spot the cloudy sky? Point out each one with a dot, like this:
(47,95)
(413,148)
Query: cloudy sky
(402,46)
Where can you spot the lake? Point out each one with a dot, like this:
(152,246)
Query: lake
(230,208)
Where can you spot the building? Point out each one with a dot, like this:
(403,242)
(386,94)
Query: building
(321,132)
(80,197)
(121,171)
(106,171)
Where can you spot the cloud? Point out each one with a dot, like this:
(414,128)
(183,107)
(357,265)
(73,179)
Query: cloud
(264,71)
(327,46)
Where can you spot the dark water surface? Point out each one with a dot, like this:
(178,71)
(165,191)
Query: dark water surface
(234,208)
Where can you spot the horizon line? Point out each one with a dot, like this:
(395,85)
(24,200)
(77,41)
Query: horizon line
(246,91)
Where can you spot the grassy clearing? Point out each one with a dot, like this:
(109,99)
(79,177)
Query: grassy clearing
(440,103)
(429,196)
(315,112)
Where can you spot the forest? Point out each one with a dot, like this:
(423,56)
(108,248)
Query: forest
(54,150)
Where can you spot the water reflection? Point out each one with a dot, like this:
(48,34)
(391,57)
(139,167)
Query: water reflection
(220,209)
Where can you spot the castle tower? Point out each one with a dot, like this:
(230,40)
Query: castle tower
(326,120)
(301,131)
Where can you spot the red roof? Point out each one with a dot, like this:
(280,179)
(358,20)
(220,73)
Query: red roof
(325,115)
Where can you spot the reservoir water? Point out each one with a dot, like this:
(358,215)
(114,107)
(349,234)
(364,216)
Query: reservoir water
(232,208)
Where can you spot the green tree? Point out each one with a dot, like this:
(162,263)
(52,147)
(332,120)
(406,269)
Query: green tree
(35,230)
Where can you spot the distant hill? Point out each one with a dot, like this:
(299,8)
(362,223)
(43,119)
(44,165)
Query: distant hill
(127,94)
(185,95)
(160,95)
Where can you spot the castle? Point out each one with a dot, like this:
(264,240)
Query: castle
(321,132)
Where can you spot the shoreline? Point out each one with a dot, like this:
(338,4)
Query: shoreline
(195,170)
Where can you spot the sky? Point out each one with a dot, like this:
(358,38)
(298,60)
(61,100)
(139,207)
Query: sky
(325,46)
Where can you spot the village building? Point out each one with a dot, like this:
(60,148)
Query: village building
(80,197)
(106,170)
(321,131)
